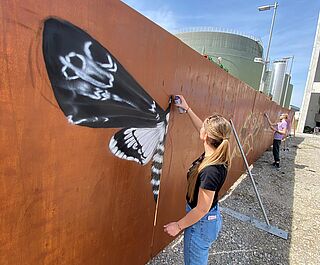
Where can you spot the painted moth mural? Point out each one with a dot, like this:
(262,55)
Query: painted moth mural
(93,89)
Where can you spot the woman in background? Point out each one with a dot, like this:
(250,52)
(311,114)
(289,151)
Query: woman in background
(280,131)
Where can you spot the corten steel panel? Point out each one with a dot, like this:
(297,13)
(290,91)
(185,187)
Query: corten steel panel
(229,110)
(64,198)
(242,118)
(201,82)
(262,134)
(230,96)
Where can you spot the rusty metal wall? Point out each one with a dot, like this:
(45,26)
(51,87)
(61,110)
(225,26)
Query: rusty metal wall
(64,199)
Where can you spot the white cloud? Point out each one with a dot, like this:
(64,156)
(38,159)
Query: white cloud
(163,17)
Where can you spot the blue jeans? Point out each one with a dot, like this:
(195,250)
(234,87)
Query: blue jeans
(199,237)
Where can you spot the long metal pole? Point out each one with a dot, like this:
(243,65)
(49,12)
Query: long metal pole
(261,86)
(289,77)
(271,30)
(249,171)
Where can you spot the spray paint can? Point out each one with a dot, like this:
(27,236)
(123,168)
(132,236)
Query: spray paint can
(177,100)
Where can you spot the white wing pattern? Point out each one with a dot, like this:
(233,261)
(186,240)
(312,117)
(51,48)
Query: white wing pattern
(140,145)
(137,144)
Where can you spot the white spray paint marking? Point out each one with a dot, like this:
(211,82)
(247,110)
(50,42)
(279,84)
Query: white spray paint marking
(155,182)
(89,68)
(153,107)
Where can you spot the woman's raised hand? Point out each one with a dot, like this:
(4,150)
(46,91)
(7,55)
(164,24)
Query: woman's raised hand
(183,103)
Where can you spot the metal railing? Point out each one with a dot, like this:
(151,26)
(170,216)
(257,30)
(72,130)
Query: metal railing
(216,29)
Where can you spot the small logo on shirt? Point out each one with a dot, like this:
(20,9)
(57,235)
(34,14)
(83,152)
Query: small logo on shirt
(212,217)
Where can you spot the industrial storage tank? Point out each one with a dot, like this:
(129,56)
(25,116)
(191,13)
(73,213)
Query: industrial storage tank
(287,79)
(288,96)
(278,79)
(267,83)
(236,50)
(286,91)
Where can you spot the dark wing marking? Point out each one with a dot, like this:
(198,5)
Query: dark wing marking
(92,88)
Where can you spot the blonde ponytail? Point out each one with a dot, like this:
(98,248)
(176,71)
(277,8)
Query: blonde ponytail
(220,156)
(218,130)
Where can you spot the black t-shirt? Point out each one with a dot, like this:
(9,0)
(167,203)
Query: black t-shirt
(210,178)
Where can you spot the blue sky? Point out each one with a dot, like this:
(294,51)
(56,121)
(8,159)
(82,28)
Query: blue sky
(294,29)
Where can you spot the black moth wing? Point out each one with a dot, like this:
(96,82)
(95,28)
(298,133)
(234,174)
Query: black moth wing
(92,88)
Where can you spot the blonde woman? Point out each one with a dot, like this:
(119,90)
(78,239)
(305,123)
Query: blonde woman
(206,176)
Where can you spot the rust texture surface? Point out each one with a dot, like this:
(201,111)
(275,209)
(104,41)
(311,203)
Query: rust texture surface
(64,198)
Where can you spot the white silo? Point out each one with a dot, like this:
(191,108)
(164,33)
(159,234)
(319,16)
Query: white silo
(277,79)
